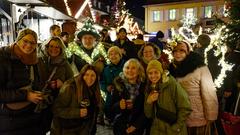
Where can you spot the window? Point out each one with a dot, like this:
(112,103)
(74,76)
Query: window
(189,12)
(156,16)
(208,12)
(172,14)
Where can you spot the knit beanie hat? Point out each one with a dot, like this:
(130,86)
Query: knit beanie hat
(155,64)
(25,32)
(88,29)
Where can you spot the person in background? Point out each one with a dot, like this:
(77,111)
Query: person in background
(168,99)
(105,36)
(20,87)
(194,76)
(127,105)
(125,44)
(158,40)
(55,30)
(111,71)
(77,105)
(65,38)
(53,61)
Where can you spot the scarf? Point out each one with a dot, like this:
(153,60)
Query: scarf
(27,59)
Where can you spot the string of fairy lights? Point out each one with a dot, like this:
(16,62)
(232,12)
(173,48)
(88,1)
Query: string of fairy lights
(217,40)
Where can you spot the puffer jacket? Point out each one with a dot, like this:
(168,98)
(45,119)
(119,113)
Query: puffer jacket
(195,77)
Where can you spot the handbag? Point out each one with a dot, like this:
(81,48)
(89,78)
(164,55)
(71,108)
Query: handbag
(231,122)
(166,116)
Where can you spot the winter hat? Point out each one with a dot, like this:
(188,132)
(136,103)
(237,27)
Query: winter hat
(160,34)
(155,64)
(116,49)
(204,40)
(122,30)
(88,29)
(25,32)
(182,45)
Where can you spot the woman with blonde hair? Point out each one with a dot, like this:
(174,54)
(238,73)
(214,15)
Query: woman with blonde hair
(128,100)
(111,71)
(166,102)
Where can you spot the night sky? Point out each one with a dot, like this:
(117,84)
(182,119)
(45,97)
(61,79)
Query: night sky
(135,8)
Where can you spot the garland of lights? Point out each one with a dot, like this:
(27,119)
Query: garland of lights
(74,48)
(216,40)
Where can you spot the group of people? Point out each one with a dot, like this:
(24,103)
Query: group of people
(144,93)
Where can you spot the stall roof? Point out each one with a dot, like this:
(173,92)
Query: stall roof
(44,8)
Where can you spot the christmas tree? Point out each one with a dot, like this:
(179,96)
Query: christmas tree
(231,28)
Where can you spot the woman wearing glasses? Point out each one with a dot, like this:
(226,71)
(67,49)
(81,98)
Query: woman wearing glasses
(19,81)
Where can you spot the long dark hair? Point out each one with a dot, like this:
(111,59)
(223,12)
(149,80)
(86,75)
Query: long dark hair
(82,84)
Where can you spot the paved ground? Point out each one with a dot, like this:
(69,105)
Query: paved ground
(104,130)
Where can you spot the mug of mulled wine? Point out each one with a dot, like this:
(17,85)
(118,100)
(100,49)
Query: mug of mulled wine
(84,104)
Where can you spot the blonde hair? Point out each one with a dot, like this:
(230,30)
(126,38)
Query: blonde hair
(141,71)
(116,49)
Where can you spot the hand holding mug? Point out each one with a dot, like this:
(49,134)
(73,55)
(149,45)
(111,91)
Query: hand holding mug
(122,104)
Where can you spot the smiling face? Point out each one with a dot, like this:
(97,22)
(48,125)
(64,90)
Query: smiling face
(88,41)
(27,44)
(148,53)
(130,71)
(180,52)
(89,77)
(53,48)
(114,57)
(154,75)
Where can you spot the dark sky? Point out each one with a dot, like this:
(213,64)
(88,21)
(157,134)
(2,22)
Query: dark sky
(135,8)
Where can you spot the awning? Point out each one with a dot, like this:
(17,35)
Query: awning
(42,7)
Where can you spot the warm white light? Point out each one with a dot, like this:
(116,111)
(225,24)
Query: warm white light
(68,8)
(79,12)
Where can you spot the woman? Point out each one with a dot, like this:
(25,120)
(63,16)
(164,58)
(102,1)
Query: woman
(55,70)
(194,76)
(166,102)
(109,73)
(149,52)
(76,107)
(53,58)
(128,100)
(19,81)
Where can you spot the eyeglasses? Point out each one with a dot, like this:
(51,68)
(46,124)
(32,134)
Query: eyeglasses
(26,41)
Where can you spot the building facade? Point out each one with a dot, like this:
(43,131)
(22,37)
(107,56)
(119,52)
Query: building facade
(166,15)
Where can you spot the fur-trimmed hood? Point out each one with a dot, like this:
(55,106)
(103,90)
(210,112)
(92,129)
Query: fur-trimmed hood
(60,59)
(188,65)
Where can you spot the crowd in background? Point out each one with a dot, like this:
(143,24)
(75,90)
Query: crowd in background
(68,88)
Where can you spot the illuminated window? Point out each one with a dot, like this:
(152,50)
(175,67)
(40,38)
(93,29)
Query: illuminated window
(208,11)
(172,14)
(189,12)
(156,16)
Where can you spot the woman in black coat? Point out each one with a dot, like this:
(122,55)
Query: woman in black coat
(19,83)
(128,100)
